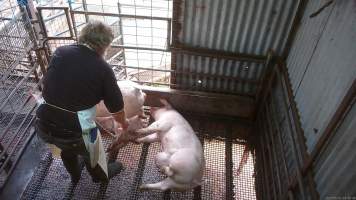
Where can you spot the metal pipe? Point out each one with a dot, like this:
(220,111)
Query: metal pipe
(69,22)
(85,7)
(169,24)
(58,38)
(73,21)
(139,48)
(120,15)
(42,23)
(54,16)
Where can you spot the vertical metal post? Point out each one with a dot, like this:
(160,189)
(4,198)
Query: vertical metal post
(169,25)
(294,140)
(85,7)
(280,142)
(228,164)
(72,16)
(69,22)
(299,131)
(270,161)
(265,174)
(122,38)
(270,130)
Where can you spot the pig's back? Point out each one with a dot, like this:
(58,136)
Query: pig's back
(133,98)
(181,134)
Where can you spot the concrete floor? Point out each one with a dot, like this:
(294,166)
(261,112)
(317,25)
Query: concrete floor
(24,170)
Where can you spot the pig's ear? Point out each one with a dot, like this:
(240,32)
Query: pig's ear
(165,103)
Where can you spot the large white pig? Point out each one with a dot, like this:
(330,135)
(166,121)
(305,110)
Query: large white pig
(133,106)
(182,158)
(133,98)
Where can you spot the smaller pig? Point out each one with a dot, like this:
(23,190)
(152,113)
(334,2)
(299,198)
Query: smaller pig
(182,158)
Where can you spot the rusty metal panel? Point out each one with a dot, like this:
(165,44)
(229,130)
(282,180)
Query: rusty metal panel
(244,26)
(321,64)
(335,173)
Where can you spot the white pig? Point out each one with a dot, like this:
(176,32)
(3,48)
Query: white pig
(133,98)
(182,158)
(133,106)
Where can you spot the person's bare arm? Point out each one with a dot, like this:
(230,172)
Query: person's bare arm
(120,117)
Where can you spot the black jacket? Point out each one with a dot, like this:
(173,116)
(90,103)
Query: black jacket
(77,79)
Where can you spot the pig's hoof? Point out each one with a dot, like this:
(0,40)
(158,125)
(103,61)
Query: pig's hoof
(143,187)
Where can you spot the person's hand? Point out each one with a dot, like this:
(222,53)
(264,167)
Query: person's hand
(125,125)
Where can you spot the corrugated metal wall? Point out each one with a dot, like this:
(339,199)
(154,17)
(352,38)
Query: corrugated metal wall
(218,75)
(243,26)
(322,68)
(335,172)
(322,63)
(280,147)
(239,26)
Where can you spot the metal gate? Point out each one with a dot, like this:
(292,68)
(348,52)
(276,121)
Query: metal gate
(130,59)
(19,75)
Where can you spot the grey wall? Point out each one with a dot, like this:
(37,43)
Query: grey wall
(322,63)
(239,26)
(322,68)
(335,172)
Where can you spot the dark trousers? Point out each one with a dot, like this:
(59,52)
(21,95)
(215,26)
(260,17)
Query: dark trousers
(72,146)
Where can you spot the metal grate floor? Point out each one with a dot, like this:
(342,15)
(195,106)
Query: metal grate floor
(229,171)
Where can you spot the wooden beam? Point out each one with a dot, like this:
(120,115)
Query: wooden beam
(202,102)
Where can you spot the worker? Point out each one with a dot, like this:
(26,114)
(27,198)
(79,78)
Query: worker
(77,79)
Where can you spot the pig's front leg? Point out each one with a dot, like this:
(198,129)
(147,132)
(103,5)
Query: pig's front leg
(148,139)
(153,128)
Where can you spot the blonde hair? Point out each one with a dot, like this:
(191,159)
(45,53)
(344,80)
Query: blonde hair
(97,35)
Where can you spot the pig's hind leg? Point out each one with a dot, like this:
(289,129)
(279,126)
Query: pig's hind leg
(164,185)
(162,162)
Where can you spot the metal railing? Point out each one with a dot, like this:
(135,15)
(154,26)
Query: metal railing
(141,47)
(19,75)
